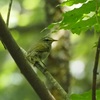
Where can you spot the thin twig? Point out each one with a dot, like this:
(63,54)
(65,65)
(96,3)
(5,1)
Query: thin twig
(95,71)
(9,11)
(8,16)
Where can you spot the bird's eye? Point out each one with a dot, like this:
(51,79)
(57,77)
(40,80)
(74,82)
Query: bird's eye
(47,40)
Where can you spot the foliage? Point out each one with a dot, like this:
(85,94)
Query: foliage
(80,19)
(84,96)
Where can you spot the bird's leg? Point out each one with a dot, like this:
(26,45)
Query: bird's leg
(40,66)
(44,66)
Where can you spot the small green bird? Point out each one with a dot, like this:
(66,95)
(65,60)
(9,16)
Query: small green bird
(40,51)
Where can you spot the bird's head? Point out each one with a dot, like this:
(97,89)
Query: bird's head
(48,39)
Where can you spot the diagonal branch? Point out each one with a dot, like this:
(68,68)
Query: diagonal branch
(62,93)
(23,65)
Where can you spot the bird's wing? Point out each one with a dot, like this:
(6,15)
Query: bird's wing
(40,47)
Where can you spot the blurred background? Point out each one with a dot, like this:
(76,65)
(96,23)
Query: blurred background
(71,60)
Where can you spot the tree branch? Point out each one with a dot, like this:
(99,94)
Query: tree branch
(62,93)
(23,65)
(95,71)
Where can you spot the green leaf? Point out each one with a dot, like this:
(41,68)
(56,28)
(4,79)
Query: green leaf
(51,25)
(82,25)
(71,2)
(78,19)
(77,13)
(85,96)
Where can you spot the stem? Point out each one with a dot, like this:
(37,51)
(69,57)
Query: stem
(9,10)
(95,71)
(96,57)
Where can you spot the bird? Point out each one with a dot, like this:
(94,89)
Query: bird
(40,51)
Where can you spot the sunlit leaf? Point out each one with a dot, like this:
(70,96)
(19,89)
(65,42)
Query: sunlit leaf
(71,2)
(80,19)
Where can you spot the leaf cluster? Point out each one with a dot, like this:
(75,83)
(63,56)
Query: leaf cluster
(80,19)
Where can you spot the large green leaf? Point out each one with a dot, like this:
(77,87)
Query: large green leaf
(77,13)
(85,96)
(80,19)
(81,25)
